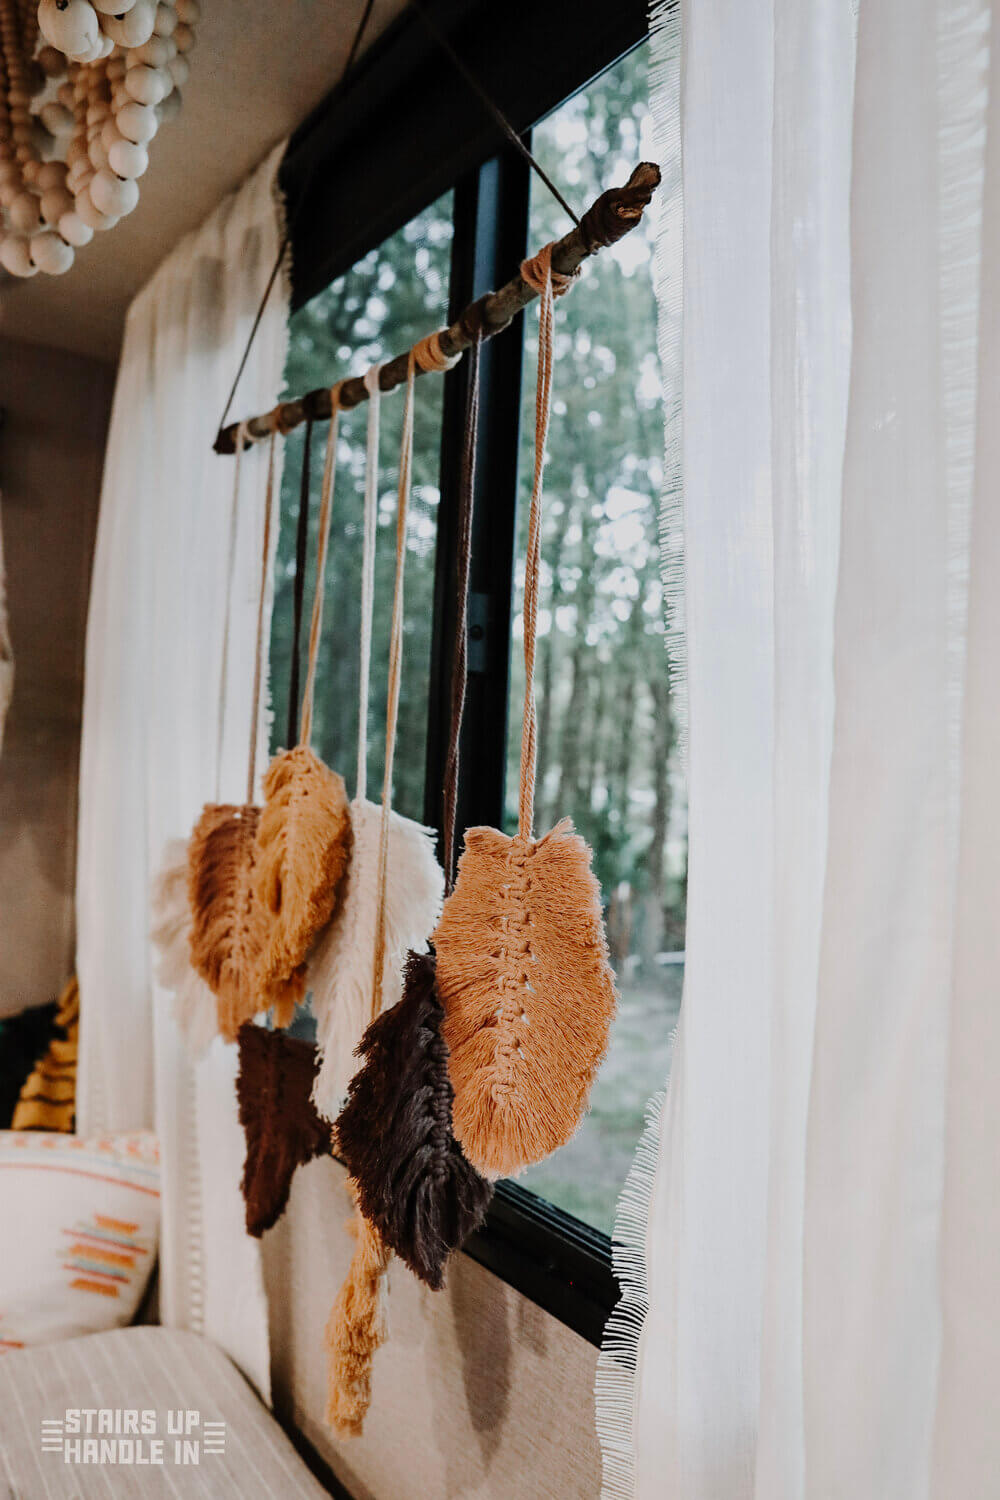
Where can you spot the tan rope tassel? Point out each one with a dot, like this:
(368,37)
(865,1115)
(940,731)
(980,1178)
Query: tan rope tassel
(522,967)
(304,833)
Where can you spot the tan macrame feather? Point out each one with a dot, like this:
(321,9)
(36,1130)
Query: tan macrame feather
(528,994)
(303,848)
(357,1326)
(522,961)
(194,1004)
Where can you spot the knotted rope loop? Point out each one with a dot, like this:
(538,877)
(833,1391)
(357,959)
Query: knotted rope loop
(540,267)
(322,541)
(395,672)
(371,381)
(537,272)
(429,355)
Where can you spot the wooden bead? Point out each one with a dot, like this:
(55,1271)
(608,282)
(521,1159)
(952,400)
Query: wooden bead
(166,20)
(90,214)
(147,85)
(24,213)
(9,173)
(133,28)
(56,202)
(137,122)
(188,12)
(74,231)
(97,154)
(56,118)
(113,195)
(52,62)
(184,37)
(127,159)
(50,253)
(9,191)
(30,172)
(51,174)
(73,29)
(156,53)
(169,108)
(116,68)
(15,257)
(180,71)
(88,57)
(113,7)
(65,95)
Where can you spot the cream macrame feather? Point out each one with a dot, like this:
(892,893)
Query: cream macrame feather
(194,1004)
(341,969)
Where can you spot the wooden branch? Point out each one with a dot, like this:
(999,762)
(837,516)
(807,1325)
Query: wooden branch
(608,220)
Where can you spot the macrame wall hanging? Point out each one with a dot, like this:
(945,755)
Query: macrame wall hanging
(485,1061)
(394,884)
(394,1135)
(83,90)
(304,833)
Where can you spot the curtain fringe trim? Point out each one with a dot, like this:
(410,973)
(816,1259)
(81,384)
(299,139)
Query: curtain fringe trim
(617,1364)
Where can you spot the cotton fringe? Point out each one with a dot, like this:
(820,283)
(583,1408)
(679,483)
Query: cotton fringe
(303,846)
(528,994)
(340,971)
(193,1004)
(357,1326)
(228,930)
(280,1123)
(395,1134)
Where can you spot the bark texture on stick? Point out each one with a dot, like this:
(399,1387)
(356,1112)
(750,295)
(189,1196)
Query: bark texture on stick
(607,220)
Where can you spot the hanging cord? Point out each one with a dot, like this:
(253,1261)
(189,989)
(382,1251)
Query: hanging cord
(368,575)
(293,218)
(258,666)
(428,355)
(220,728)
(491,105)
(299,585)
(460,663)
(322,542)
(538,273)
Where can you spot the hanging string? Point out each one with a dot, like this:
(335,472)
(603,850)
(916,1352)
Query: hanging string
(538,273)
(460,663)
(368,575)
(234,506)
(258,666)
(491,105)
(293,218)
(299,584)
(325,513)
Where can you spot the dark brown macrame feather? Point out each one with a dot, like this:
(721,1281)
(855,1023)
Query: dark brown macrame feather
(395,1135)
(282,1129)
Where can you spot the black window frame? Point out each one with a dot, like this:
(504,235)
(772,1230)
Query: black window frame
(351,177)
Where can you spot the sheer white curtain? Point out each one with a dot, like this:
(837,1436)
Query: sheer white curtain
(150,755)
(820,1241)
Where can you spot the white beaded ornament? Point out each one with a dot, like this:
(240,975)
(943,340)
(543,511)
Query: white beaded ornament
(84,86)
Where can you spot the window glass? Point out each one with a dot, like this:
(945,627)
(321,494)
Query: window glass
(607,738)
(383,304)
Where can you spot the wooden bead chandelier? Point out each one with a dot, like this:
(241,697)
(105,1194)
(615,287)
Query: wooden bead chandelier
(84,86)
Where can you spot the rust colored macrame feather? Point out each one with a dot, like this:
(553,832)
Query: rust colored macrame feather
(227,928)
(528,994)
(303,846)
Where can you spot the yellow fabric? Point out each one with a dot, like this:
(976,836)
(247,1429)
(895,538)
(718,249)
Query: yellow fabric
(48,1098)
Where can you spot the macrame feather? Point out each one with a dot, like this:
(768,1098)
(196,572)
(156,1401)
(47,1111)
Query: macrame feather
(303,846)
(193,1003)
(528,994)
(280,1123)
(395,1134)
(227,927)
(340,971)
(357,1326)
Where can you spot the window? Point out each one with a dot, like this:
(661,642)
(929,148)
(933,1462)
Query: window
(607,739)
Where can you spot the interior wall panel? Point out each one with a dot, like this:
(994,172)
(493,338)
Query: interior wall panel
(56,409)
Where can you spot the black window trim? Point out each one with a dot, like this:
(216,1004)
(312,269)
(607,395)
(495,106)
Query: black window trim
(351,178)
